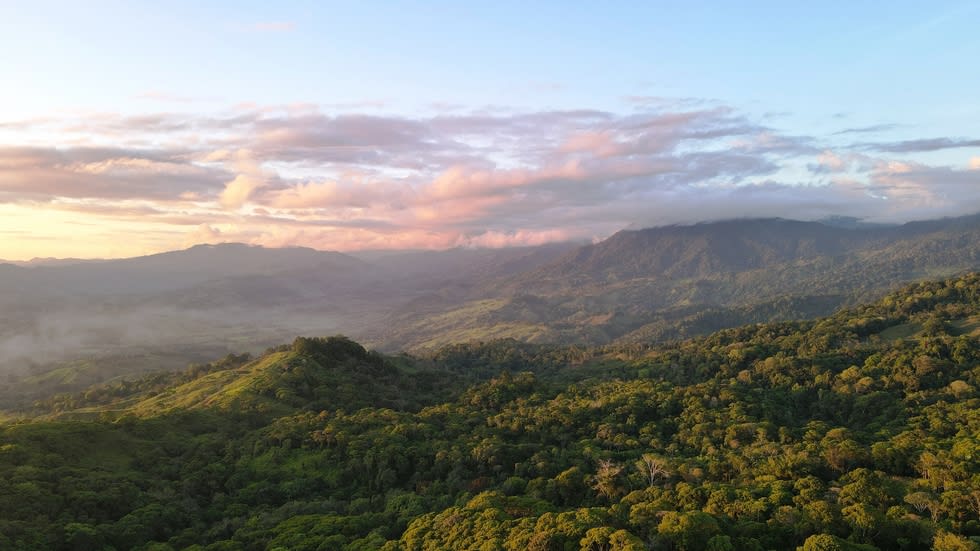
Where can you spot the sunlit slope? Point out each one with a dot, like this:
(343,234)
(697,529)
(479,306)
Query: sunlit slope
(311,374)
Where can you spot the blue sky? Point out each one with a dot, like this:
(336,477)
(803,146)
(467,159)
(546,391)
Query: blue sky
(855,93)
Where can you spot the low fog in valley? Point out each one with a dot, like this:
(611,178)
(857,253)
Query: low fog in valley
(67,324)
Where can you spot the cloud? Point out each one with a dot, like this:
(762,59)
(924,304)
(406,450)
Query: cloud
(250,177)
(239,190)
(204,234)
(829,161)
(835,162)
(110,173)
(303,175)
(867,129)
(921,145)
(515,238)
(352,192)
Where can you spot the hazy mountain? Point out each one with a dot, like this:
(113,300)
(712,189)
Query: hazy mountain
(710,249)
(703,250)
(208,295)
(51,261)
(675,281)
(636,286)
(64,323)
(178,269)
(462,266)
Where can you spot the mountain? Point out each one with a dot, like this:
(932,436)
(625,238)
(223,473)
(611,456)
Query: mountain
(454,275)
(37,261)
(179,269)
(58,321)
(708,250)
(663,282)
(703,250)
(856,431)
(63,326)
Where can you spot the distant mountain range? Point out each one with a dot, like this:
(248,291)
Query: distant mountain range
(663,282)
(636,286)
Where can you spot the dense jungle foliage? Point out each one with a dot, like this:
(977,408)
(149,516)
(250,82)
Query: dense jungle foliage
(856,431)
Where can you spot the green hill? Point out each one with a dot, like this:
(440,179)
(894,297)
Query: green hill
(860,430)
(311,374)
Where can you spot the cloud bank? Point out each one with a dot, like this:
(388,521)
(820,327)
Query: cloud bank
(300,175)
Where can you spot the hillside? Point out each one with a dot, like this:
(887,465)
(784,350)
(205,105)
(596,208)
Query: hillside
(704,250)
(64,325)
(663,283)
(311,374)
(855,431)
(67,325)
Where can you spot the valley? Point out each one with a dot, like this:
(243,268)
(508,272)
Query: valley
(644,286)
(854,431)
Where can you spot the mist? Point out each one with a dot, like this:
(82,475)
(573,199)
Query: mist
(66,325)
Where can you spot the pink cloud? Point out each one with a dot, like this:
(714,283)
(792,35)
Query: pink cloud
(450,212)
(517,238)
(459,182)
(296,175)
(356,192)
(238,191)
(47,173)
(600,144)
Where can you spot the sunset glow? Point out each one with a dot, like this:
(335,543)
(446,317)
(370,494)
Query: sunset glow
(345,128)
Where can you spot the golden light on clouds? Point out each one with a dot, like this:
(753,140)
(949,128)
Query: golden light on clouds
(127,185)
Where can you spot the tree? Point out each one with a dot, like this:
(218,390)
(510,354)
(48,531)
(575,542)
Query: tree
(862,518)
(83,537)
(827,542)
(688,531)
(623,540)
(946,541)
(606,479)
(921,502)
(596,539)
(653,467)
(720,543)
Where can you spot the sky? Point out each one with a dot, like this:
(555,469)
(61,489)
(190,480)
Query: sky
(130,128)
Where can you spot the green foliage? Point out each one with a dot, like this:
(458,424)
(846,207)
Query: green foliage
(797,435)
(826,542)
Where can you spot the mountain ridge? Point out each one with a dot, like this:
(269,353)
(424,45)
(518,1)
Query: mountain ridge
(604,291)
(657,283)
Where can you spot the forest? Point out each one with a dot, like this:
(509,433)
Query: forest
(857,431)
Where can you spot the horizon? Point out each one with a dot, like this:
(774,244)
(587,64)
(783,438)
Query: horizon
(34,261)
(143,129)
